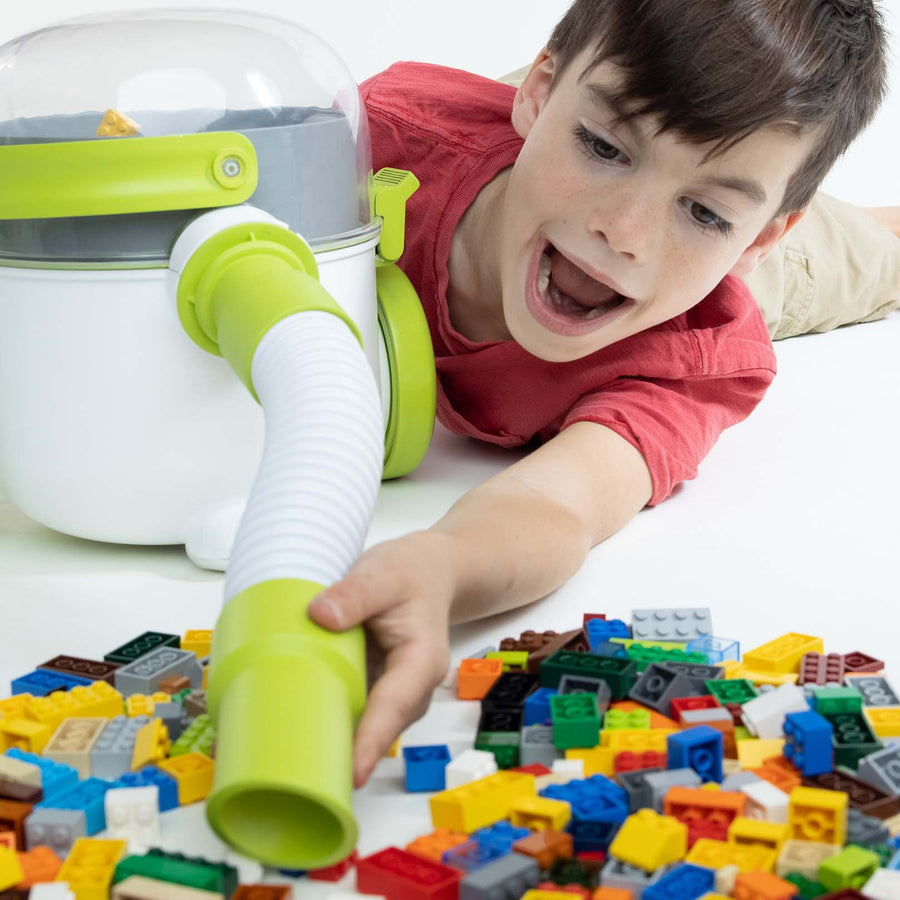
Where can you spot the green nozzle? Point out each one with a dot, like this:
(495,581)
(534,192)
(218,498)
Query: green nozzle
(284,695)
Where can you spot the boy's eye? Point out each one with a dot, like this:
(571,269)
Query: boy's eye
(595,145)
(706,220)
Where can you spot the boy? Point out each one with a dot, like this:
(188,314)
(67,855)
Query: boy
(578,246)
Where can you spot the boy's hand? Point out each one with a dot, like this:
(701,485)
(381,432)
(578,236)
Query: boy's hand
(401,591)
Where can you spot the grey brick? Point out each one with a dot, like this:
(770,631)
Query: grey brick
(504,879)
(144,675)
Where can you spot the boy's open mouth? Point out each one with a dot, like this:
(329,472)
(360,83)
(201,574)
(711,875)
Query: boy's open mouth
(570,291)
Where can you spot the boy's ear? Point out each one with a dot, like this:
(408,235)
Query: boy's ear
(765,242)
(532,93)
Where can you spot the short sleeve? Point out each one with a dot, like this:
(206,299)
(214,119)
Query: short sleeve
(672,422)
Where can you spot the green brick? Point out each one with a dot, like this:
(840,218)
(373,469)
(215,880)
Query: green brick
(177,868)
(619,673)
(732,690)
(851,868)
(617,719)
(644,655)
(142,645)
(576,720)
(511,659)
(831,701)
(503,744)
(852,738)
(198,737)
(806,889)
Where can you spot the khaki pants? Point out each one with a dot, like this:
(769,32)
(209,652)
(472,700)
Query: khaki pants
(836,266)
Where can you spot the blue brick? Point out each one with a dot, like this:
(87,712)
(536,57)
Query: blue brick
(87,795)
(716,649)
(150,775)
(56,778)
(610,648)
(502,835)
(684,882)
(41,682)
(807,742)
(537,706)
(471,855)
(599,630)
(425,767)
(599,806)
(700,748)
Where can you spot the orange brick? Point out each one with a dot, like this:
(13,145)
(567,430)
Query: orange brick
(762,886)
(778,771)
(611,893)
(12,818)
(432,846)
(39,864)
(546,846)
(477,676)
(262,892)
(690,804)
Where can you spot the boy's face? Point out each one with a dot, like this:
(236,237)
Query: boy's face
(611,214)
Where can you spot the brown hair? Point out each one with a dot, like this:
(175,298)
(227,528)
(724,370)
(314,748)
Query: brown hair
(718,70)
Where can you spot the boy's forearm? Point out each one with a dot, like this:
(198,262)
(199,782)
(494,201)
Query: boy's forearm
(511,546)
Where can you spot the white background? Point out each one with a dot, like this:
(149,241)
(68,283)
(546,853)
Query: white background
(792,524)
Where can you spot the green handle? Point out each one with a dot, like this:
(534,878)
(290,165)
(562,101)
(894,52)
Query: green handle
(284,695)
(126,175)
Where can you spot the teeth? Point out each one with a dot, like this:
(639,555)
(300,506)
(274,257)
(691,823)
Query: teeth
(543,279)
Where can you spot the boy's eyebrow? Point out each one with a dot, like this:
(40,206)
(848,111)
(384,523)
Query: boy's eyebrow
(600,96)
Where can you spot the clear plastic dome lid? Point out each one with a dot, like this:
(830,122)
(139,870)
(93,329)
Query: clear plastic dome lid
(155,73)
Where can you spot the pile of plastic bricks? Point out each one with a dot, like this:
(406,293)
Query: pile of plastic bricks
(615,761)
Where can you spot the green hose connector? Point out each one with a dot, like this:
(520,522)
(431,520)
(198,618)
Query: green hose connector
(242,282)
(284,695)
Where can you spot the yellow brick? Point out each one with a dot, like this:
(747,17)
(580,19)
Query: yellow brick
(883,720)
(716,854)
(636,740)
(194,773)
(540,813)
(752,751)
(597,760)
(480,803)
(89,867)
(734,669)
(535,894)
(393,750)
(818,815)
(753,831)
(649,840)
(784,653)
(10,868)
(24,734)
(14,707)
(198,641)
(151,744)
(116,124)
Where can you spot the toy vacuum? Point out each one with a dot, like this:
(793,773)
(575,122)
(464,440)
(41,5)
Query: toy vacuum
(186,196)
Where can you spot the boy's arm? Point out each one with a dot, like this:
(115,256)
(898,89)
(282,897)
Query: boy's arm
(507,542)
(527,530)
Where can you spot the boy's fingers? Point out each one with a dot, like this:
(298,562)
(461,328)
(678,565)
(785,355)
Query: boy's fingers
(366,591)
(399,697)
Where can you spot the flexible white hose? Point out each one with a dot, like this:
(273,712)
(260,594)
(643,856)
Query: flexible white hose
(312,501)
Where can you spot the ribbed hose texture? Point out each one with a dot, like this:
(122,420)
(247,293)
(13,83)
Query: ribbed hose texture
(314,494)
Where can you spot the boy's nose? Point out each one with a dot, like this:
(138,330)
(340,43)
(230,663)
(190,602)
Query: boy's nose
(628,225)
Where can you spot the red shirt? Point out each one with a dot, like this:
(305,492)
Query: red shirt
(670,390)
